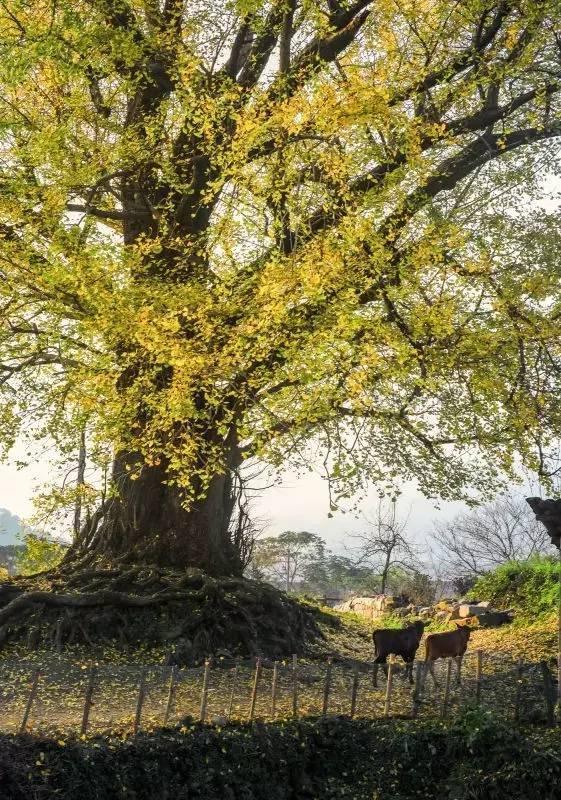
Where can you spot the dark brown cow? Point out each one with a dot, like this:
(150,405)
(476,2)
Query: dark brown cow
(451,644)
(398,642)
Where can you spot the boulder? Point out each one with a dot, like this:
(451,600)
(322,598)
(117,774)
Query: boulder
(371,607)
(494,619)
(484,604)
(469,610)
(473,622)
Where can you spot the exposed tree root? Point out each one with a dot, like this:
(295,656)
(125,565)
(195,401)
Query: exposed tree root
(189,613)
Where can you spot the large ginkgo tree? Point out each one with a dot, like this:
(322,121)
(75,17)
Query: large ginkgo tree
(253,229)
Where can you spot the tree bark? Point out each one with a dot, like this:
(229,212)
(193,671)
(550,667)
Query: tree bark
(148,523)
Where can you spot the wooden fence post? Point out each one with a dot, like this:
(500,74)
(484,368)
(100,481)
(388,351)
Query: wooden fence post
(478,674)
(255,687)
(444,708)
(294,685)
(30,699)
(88,702)
(204,692)
(140,701)
(171,693)
(354,692)
(327,686)
(389,686)
(417,691)
(518,696)
(548,693)
(233,691)
(274,690)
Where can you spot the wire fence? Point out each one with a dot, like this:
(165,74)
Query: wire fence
(62,697)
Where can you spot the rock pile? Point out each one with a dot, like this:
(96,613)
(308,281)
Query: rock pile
(470,612)
(372,607)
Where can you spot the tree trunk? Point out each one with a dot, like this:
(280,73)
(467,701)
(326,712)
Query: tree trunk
(147,522)
(385,573)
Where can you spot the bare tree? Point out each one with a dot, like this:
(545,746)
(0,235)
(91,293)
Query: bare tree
(479,540)
(384,545)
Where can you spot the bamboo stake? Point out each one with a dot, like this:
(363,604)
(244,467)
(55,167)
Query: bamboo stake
(478,673)
(294,685)
(417,691)
(171,693)
(255,687)
(30,699)
(518,698)
(88,702)
(274,691)
(204,692)
(389,686)
(548,693)
(327,686)
(140,701)
(444,708)
(354,692)
(233,691)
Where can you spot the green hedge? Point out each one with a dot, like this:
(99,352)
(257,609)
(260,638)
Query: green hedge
(473,759)
(531,587)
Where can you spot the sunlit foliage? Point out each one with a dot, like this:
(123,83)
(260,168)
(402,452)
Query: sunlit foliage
(257,225)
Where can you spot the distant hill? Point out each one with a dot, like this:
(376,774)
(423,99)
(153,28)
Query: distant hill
(10,526)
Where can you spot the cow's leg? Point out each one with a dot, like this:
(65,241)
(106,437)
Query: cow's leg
(377,661)
(409,668)
(429,665)
(459,668)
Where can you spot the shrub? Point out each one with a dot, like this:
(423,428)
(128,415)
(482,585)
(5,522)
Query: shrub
(39,554)
(530,587)
(333,758)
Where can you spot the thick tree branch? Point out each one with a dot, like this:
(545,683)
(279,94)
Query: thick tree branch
(262,47)
(102,213)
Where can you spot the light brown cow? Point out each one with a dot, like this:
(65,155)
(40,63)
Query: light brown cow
(451,644)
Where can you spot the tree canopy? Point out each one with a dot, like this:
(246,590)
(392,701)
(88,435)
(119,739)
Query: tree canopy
(267,225)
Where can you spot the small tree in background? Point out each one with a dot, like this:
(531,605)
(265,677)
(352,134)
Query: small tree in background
(384,545)
(417,586)
(338,574)
(283,559)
